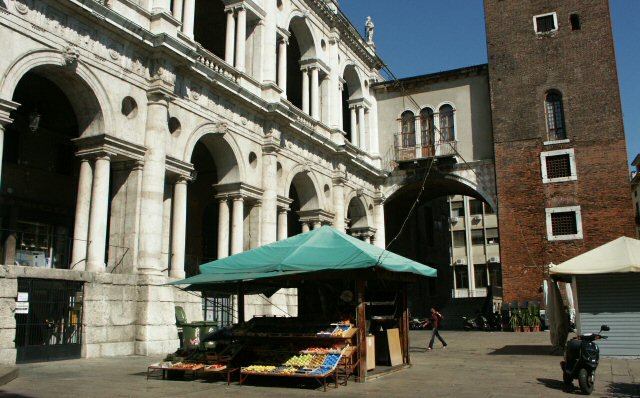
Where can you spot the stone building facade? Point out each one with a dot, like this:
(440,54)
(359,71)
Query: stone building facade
(142,138)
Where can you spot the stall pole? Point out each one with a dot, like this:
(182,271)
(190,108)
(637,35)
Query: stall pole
(405,325)
(361,324)
(240,303)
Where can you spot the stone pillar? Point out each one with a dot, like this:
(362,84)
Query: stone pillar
(161,6)
(177,9)
(6,107)
(305,226)
(152,190)
(229,47)
(237,225)
(81,227)
(98,215)
(223,228)
(282,65)
(317,224)
(315,97)
(378,211)
(241,38)
(305,91)
(179,228)
(362,139)
(189,15)
(338,200)
(269,228)
(354,126)
(282,223)
(269,41)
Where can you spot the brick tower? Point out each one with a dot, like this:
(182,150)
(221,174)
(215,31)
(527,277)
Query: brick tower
(560,152)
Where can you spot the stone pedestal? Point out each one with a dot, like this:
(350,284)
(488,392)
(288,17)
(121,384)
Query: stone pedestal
(156,332)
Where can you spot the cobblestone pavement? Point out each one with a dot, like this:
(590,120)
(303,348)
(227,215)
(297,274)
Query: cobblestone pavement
(475,364)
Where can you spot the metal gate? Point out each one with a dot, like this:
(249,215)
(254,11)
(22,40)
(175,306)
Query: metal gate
(48,320)
(611,299)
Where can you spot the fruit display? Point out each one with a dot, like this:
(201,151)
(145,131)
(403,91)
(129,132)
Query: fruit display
(259,369)
(299,361)
(216,367)
(186,366)
(331,360)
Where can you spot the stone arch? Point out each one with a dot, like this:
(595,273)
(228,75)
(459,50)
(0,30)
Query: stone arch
(357,208)
(83,89)
(306,186)
(298,25)
(354,80)
(224,149)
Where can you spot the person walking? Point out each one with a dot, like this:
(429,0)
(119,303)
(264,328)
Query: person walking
(436,318)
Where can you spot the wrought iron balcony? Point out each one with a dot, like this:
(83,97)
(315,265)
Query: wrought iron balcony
(407,148)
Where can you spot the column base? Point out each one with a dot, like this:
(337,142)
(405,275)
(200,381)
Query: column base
(156,331)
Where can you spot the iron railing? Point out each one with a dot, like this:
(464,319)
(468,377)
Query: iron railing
(406,148)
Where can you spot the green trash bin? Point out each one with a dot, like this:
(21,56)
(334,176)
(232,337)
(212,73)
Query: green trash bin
(205,328)
(190,336)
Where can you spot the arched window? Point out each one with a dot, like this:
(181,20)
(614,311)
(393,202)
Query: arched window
(446,123)
(555,116)
(408,129)
(426,127)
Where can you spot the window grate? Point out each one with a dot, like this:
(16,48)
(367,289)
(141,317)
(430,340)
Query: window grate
(545,23)
(564,223)
(558,166)
(555,116)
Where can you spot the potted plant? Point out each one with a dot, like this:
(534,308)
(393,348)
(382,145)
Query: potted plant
(535,319)
(515,321)
(526,320)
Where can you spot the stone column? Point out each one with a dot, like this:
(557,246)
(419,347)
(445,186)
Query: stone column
(338,200)
(161,6)
(282,223)
(229,47)
(354,126)
(305,91)
(237,225)
(378,211)
(6,107)
(98,215)
(315,98)
(179,228)
(269,228)
(177,9)
(241,38)
(362,139)
(152,190)
(189,15)
(317,224)
(223,228)
(305,226)
(81,227)
(269,42)
(282,65)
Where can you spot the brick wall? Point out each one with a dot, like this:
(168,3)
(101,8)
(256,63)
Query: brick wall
(580,64)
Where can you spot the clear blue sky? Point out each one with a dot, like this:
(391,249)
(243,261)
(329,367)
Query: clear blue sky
(414,37)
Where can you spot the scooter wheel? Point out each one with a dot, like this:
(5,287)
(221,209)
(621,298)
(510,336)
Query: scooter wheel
(585,380)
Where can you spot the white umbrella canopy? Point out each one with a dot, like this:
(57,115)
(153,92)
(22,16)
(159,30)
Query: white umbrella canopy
(619,255)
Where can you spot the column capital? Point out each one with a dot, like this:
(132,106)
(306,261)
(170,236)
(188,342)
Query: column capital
(283,40)
(6,107)
(158,96)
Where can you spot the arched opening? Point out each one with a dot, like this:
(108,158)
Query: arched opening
(357,215)
(210,24)
(304,196)
(214,163)
(452,229)
(40,169)
(351,92)
(301,47)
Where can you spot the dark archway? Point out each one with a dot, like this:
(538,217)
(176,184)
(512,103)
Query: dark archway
(39,176)
(210,24)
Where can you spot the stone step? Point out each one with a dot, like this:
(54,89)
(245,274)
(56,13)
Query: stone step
(7,373)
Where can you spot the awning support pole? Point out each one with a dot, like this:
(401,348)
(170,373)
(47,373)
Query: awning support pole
(361,324)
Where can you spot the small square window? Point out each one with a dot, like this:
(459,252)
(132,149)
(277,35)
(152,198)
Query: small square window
(558,166)
(492,236)
(459,239)
(545,23)
(480,276)
(477,237)
(564,223)
(575,21)
(461,277)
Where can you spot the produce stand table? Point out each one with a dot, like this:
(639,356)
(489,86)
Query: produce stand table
(226,371)
(194,370)
(320,378)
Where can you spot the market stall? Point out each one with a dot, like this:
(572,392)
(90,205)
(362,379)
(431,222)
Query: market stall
(348,289)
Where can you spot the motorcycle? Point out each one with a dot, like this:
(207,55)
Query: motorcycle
(479,322)
(418,324)
(581,357)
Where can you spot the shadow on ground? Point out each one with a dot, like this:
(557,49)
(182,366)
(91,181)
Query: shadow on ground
(623,390)
(557,385)
(524,350)
(4,394)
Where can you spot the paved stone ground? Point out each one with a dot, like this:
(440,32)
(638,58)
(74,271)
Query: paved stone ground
(476,364)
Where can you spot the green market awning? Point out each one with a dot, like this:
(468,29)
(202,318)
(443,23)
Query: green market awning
(320,250)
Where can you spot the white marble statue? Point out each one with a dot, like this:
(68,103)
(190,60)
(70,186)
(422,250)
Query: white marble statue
(368,28)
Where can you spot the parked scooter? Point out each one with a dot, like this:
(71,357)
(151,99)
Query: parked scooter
(581,357)
(418,324)
(479,322)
